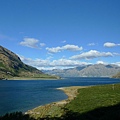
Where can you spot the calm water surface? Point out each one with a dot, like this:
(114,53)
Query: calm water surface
(24,95)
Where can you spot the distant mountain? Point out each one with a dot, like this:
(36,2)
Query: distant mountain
(117,75)
(12,66)
(96,70)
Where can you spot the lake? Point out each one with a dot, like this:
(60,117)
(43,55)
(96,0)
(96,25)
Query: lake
(22,95)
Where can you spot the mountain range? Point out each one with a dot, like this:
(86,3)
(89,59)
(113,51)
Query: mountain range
(11,66)
(96,70)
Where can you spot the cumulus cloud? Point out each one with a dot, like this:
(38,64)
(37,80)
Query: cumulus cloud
(54,50)
(109,44)
(91,54)
(30,42)
(66,62)
(51,63)
(45,64)
(66,47)
(36,62)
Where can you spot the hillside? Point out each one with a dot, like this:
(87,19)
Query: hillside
(11,66)
(96,70)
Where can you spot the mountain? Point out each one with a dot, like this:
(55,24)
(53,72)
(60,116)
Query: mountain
(96,70)
(12,66)
(117,75)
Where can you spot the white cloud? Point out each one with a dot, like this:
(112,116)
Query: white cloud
(117,63)
(74,61)
(101,62)
(54,50)
(36,62)
(91,54)
(30,42)
(116,54)
(47,64)
(66,47)
(109,44)
(66,62)
(72,48)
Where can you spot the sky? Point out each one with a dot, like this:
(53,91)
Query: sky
(60,34)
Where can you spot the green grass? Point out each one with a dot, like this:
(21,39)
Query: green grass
(1,64)
(96,103)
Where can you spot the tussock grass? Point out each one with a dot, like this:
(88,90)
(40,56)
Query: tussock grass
(96,103)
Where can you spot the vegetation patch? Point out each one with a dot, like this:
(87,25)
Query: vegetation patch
(96,103)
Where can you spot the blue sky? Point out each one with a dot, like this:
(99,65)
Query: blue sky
(50,34)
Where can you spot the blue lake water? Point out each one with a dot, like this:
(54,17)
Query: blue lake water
(22,95)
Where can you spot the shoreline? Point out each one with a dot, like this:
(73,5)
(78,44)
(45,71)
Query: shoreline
(71,91)
(51,108)
(24,78)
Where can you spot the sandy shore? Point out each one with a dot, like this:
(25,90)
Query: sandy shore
(55,109)
(71,92)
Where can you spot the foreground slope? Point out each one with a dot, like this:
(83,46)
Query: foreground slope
(12,66)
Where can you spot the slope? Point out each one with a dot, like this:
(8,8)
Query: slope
(12,66)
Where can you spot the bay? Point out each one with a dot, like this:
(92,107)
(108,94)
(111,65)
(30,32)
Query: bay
(22,95)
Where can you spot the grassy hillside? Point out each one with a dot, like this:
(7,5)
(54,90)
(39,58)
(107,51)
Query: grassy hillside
(12,66)
(96,103)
